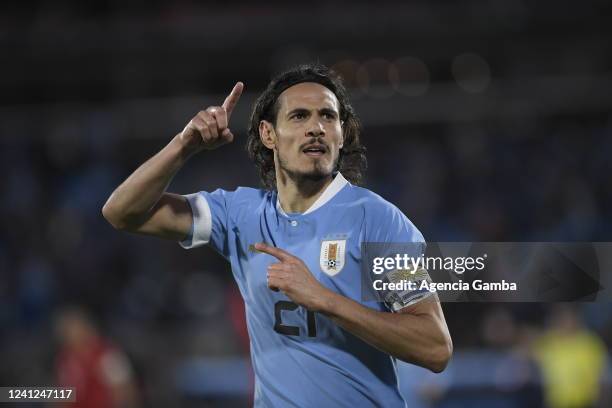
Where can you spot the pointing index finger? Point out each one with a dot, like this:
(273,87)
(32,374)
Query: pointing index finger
(232,99)
(278,253)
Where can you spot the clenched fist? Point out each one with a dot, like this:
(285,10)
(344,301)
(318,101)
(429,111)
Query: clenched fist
(209,129)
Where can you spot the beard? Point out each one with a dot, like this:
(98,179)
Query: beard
(316,171)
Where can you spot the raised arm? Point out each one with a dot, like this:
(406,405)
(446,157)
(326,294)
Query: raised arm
(141,204)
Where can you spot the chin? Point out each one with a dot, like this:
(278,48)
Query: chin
(313,170)
(321,169)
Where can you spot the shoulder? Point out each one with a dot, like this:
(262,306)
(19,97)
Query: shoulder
(229,202)
(373,205)
(245,201)
(383,219)
(249,195)
(239,195)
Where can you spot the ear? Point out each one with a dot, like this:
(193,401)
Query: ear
(341,134)
(267,134)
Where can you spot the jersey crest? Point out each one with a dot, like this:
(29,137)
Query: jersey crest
(332,256)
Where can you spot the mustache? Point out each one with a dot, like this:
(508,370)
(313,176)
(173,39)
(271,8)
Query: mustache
(315,140)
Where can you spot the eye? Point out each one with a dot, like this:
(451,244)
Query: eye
(298,115)
(329,115)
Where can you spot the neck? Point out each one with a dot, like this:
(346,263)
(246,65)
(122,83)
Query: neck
(298,194)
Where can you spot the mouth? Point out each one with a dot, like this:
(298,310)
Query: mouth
(315,150)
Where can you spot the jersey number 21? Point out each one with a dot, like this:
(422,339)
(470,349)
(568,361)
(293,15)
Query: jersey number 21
(281,328)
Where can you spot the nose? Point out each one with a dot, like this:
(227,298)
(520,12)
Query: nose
(315,128)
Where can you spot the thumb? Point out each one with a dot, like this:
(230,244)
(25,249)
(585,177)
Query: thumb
(227,135)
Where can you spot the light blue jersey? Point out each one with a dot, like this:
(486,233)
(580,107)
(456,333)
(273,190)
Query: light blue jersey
(301,358)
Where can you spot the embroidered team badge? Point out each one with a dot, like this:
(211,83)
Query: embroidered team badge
(332,256)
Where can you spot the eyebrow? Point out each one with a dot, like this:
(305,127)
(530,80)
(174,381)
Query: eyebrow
(304,110)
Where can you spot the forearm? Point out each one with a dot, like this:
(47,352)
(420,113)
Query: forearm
(421,339)
(137,195)
(416,334)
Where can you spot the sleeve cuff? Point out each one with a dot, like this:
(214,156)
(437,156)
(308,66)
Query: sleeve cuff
(397,306)
(201,227)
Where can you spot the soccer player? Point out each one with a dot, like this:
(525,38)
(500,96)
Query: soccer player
(295,246)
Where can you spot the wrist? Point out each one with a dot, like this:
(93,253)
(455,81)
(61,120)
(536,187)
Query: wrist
(328,302)
(183,148)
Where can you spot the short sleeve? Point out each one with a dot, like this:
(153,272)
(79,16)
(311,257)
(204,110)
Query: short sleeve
(210,220)
(396,234)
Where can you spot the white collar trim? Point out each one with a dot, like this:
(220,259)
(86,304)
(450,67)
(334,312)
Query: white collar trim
(330,192)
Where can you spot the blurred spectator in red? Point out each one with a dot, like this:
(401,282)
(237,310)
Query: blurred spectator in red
(572,360)
(100,373)
(239,323)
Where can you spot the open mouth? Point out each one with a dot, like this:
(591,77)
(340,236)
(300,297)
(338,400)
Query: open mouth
(315,150)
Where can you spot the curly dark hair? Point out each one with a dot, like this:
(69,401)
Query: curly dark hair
(351,160)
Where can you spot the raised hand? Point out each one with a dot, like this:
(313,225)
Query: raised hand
(292,276)
(209,129)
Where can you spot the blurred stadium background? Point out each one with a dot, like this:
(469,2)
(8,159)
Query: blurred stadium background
(484,121)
